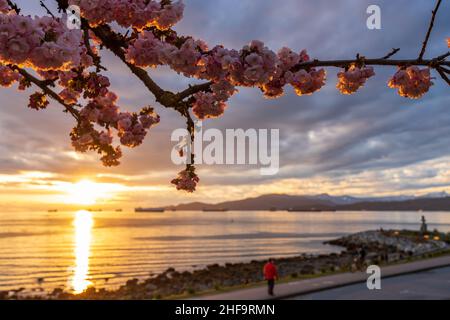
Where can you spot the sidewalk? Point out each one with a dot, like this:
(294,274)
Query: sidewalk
(301,287)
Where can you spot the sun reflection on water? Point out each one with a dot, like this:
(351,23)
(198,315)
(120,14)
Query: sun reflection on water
(83,223)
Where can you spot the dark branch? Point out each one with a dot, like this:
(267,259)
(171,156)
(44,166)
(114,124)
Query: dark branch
(95,58)
(192,90)
(46,9)
(13,6)
(43,85)
(380,62)
(443,56)
(427,37)
(390,54)
(443,75)
(115,43)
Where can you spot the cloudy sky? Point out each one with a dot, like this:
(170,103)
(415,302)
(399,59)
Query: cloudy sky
(371,143)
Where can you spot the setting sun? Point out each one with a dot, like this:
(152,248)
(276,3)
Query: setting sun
(86,192)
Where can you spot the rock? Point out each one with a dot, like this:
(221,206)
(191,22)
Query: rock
(308,269)
(57,292)
(132,283)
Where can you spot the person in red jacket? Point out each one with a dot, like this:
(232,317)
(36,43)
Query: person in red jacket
(270,274)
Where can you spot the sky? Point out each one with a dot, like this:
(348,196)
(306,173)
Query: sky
(371,143)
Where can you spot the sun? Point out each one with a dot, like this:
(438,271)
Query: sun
(86,192)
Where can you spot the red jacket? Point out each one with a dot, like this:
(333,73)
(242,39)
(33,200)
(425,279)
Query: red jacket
(270,271)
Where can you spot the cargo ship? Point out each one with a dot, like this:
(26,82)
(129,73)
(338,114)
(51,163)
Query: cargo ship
(215,210)
(149,210)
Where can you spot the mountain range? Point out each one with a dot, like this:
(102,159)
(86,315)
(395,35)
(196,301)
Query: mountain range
(433,201)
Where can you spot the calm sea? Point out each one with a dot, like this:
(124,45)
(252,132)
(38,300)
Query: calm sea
(77,249)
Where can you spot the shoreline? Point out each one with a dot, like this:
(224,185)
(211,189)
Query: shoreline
(382,247)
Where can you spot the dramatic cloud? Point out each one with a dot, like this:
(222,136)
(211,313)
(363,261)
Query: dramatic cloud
(372,142)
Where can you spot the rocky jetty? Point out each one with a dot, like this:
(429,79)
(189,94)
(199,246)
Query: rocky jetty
(402,242)
(380,247)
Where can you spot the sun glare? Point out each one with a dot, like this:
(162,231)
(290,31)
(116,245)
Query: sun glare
(86,192)
(83,223)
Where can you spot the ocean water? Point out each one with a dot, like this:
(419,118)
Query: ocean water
(73,250)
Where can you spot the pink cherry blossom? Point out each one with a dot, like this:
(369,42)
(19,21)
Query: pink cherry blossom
(41,43)
(38,101)
(83,143)
(8,76)
(105,137)
(4,7)
(354,78)
(411,82)
(187,180)
(137,13)
(111,158)
(207,106)
(149,120)
(308,82)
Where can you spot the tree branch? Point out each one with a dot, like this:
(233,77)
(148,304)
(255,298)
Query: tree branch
(427,37)
(390,54)
(46,9)
(13,6)
(380,62)
(443,75)
(443,56)
(192,90)
(96,59)
(49,92)
(115,43)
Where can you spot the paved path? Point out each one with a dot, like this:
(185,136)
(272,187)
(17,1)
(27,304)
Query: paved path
(308,286)
(432,284)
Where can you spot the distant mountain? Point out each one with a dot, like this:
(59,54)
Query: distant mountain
(336,199)
(424,204)
(265,202)
(435,195)
(432,201)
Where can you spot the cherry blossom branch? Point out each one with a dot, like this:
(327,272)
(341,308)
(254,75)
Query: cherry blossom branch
(379,62)
(430,27)
(115,44)
(193,90)
(95,57)
(43,85)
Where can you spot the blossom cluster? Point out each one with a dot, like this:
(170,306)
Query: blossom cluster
(38,101)
(212,104)
(4,7)
(254,65)
(411,82)
(131,127)
(353,78)
(8,76)
(131,13)
(187,180)
(101,110)
(41,42)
